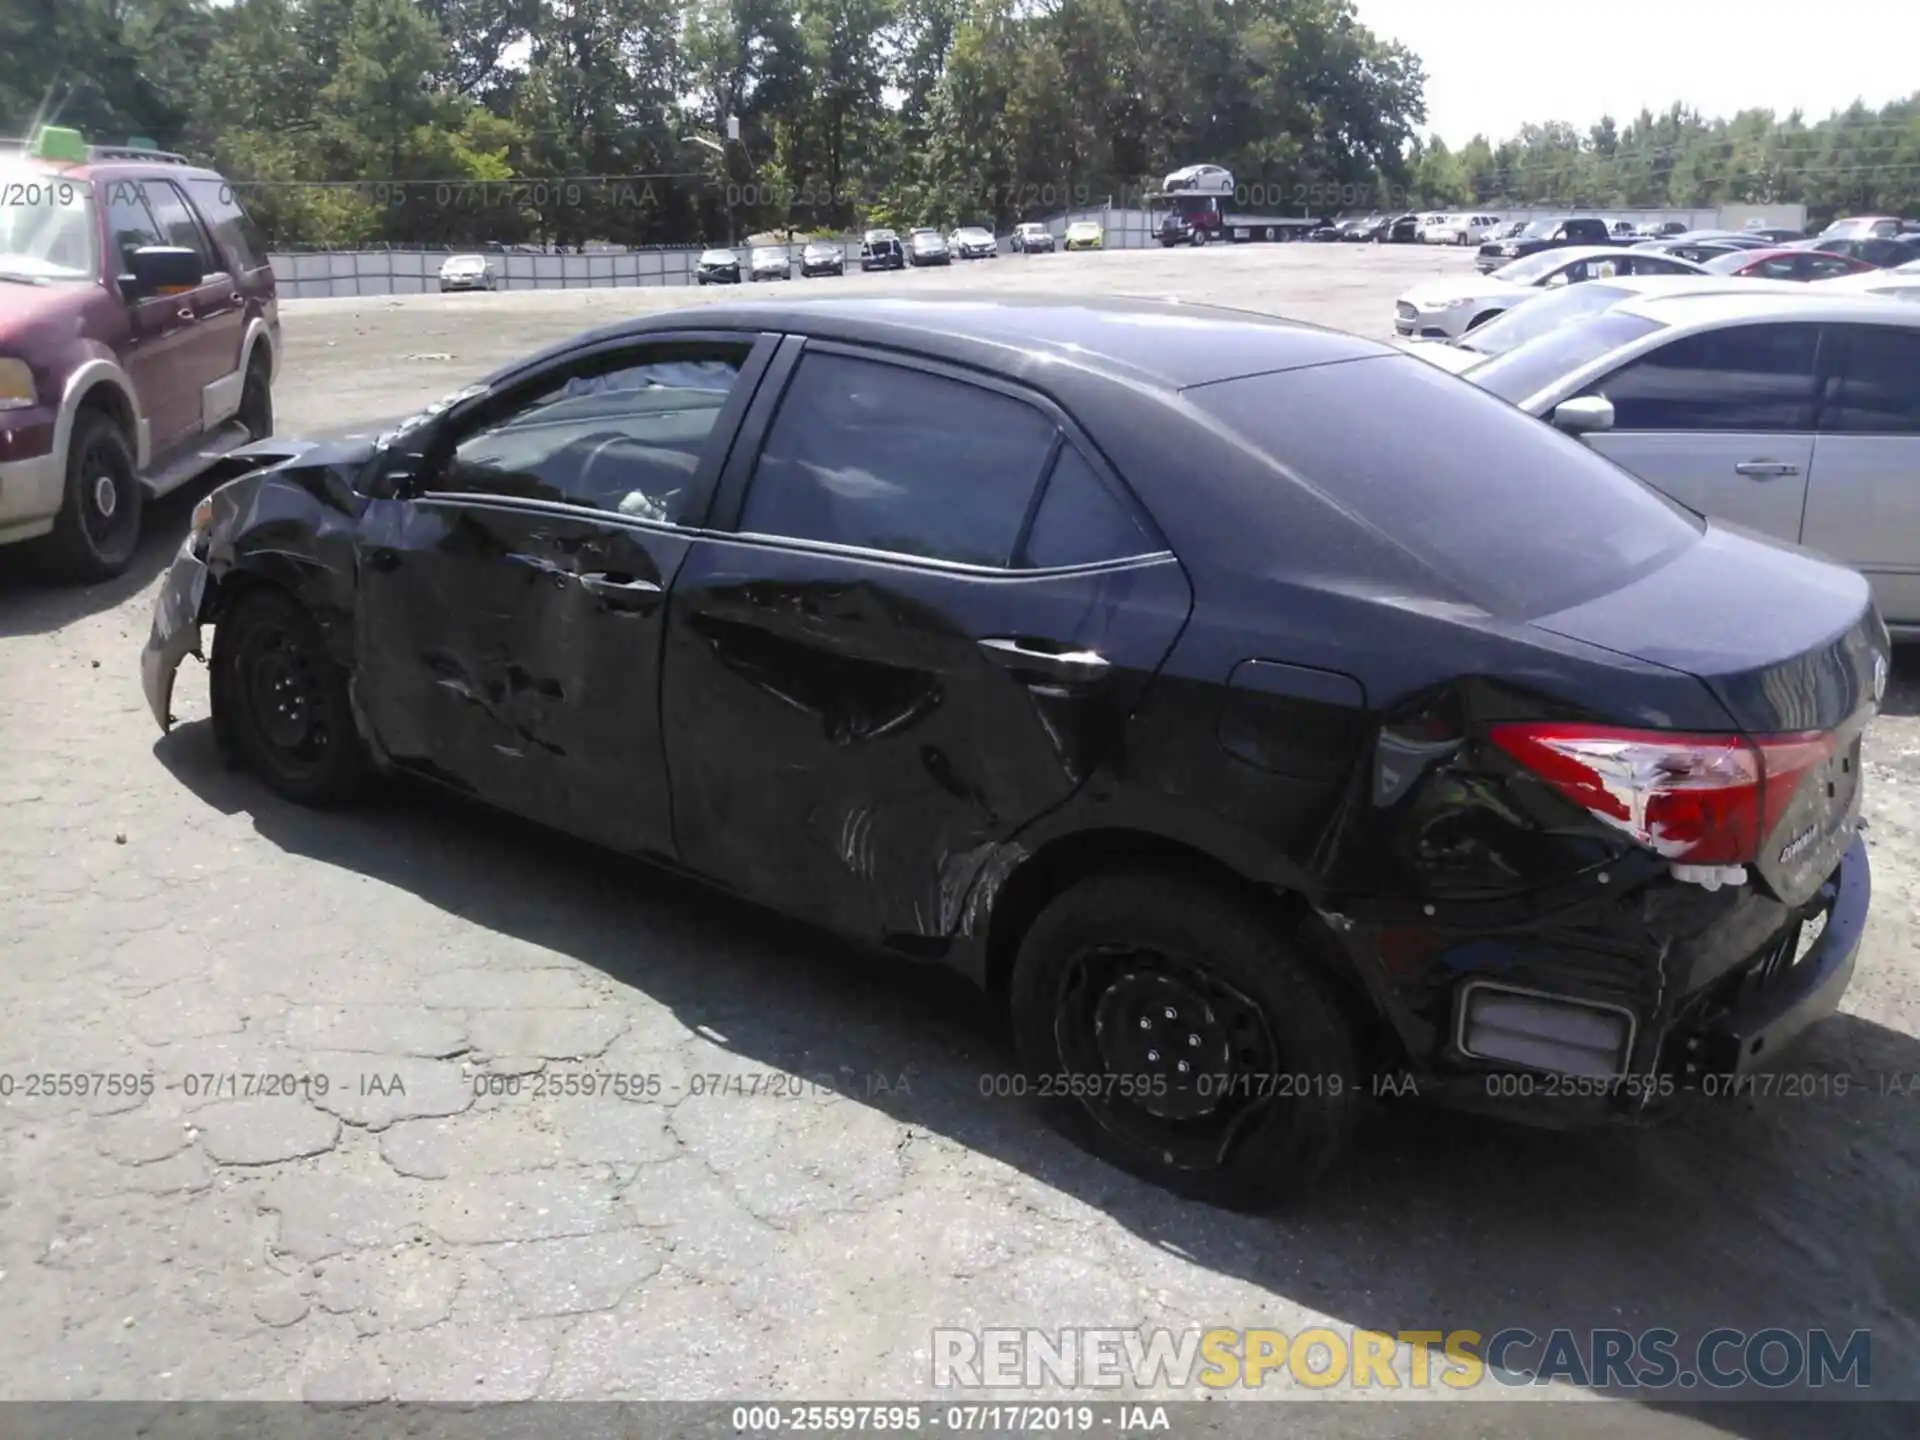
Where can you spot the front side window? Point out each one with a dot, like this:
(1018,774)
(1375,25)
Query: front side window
(178,223)
(130,222)
(1741,377)
(883,457)
(624,434)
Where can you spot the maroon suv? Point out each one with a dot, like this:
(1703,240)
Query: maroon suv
(139,339)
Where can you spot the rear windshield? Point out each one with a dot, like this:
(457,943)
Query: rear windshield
(1511,513)
(1527,369)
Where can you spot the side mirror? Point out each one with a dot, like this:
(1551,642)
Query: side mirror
(1554,282)
(161,270)
(1583,416)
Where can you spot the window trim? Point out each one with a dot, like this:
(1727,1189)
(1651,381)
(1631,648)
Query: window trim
(469,417)
(1822,369)
(730,498)
(113,257)
(1109,485)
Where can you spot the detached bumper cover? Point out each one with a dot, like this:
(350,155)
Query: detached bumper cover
(1750,1037)
(176,631)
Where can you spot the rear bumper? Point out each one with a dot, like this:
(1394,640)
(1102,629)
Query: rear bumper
(1750,1037)
(30,491)
(1708,1046)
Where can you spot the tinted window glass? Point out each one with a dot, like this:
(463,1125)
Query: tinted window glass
(1537,364)
(177,222)
(887,458)
(1523,322)
(1653,265)
(1742,377)
(232,227)
(1879,390)
(1080,521)
(622,435)
(130,224)
(1515,515)
(1825,267)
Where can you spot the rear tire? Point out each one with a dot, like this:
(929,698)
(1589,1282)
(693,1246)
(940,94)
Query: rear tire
(283,701)
(97,529)
(1123,976)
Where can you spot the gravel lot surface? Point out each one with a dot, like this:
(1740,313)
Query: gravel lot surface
(403,1236)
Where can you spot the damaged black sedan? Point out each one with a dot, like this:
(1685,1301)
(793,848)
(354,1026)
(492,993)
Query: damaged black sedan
(1256,709)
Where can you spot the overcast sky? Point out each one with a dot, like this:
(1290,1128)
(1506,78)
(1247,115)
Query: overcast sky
(1494,65)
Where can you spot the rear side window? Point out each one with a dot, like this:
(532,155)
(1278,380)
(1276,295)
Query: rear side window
(1080,521)
(233,229)
(1879,389)
(884,457)
(1741,377)
(1513,514)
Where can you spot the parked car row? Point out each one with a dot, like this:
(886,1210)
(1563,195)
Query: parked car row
(885,249)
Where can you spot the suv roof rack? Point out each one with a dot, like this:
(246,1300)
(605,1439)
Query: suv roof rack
(134,152)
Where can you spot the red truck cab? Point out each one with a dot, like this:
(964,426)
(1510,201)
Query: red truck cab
(139,341)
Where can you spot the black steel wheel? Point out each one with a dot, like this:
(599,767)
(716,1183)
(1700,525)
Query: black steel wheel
(281,700)
(1171,1028)
(98,528)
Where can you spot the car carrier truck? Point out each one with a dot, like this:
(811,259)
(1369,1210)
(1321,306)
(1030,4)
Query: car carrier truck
(1194,206)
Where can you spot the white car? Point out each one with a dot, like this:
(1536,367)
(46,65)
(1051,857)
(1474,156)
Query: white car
(973,242)
(1448,309)
(1794,415)
(1430,227)
(1900,283)
(467,272)
(770,262)
(1551,309)
(1464,230)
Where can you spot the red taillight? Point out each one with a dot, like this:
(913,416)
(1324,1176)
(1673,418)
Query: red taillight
(1694,799)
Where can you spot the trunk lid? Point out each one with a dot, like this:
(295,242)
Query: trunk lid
(1789,644)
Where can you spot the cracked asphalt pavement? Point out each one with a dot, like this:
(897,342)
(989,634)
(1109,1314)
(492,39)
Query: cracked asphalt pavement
(531,1121)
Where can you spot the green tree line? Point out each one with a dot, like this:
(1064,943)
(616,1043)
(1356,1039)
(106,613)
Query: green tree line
(457,122)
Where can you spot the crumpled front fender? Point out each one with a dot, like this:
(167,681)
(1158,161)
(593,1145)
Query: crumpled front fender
(177,617)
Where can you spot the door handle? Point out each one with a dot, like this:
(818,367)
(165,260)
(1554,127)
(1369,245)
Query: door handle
(1765,469)
(599,582)
(1066,664)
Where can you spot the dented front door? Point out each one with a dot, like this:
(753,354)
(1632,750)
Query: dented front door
(514,653)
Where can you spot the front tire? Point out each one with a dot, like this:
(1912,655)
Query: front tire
(282,701)
(97,530)
(256,399)
(1245,1084)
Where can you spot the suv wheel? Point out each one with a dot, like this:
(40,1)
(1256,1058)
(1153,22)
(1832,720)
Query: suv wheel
(1181,1037)
(283,700)
(98,527)
(256,399)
